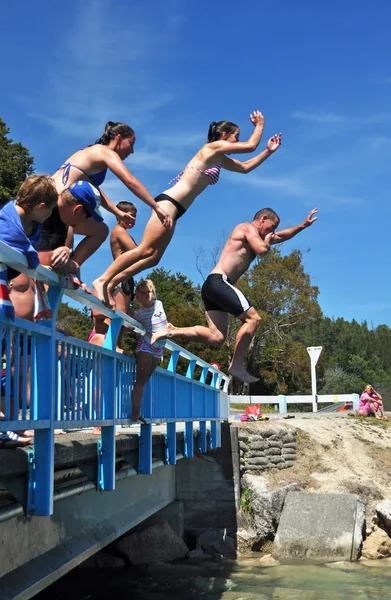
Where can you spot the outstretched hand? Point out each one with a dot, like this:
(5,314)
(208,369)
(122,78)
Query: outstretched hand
(310,218)
(274,143)
(127,219)
(257,118)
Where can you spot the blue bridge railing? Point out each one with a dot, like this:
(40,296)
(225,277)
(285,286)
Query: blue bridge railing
(50,380)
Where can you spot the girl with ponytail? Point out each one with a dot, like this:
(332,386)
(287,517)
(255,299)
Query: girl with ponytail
(91,164)
(202,170)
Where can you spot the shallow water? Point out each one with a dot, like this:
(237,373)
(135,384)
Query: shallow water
(241,580)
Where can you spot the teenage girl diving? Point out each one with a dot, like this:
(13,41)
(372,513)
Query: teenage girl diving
(91,164)
(202,170)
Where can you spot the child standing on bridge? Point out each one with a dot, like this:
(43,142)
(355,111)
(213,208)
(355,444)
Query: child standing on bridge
(152,316)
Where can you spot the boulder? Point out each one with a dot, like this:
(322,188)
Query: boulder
(245,540)
(266,507)
(104,560)
(215,542)
(377,545)
(158,543)
(268,561)
(320,528)
(383,512)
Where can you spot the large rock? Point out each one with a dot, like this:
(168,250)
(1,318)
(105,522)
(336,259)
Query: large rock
(377,545)
(266,506)
(320,528)
(383,511)
(216,541)
(245,540)
(156,543)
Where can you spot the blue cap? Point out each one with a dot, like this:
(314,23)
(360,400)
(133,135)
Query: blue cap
(88,196)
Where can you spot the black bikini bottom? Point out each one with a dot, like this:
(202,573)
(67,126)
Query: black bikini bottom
(179,207)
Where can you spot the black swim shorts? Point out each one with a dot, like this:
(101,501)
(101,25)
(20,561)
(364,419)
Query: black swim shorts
(218,293)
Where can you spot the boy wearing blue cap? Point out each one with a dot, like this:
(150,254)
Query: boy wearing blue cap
(77,211)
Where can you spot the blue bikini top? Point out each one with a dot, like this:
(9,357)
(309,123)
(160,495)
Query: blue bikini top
(96,179)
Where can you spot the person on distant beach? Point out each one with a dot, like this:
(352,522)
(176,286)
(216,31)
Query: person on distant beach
(201,171)
(371,403)
(220,296)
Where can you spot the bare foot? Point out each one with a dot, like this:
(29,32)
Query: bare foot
(98,431)
(139,419)
(99,289)
(109,300)
(27,433)
(241,374)
(59,432)
(164,332)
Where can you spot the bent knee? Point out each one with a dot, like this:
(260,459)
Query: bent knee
(254,319)
(218,340)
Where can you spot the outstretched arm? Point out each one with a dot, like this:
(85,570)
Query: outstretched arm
(224,147)
(287,234)
(119,214)
(232,164)
(115,164)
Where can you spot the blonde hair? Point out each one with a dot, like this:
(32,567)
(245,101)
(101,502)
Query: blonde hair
(37,189)
(146,285)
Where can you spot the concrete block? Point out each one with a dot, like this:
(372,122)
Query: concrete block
(288,437)
(320,528)
(286,464)
(290,445)
(173,514)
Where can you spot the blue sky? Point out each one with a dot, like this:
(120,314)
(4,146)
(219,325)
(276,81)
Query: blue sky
(319,73)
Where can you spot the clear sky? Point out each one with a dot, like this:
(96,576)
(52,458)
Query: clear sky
(319,72)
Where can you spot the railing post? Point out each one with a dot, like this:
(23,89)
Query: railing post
(145,450)
(43,394)
(171,444)
(215,426)
(189,439)
(356,401)
(106,445)
(283,405)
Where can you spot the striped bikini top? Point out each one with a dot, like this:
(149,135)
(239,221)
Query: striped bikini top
(213,173)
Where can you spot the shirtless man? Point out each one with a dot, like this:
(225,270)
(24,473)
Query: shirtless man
(221,298)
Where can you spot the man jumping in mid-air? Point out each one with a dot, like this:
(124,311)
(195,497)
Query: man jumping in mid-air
(221,297)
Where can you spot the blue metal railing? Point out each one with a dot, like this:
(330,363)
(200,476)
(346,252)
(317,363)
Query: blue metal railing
(50,381)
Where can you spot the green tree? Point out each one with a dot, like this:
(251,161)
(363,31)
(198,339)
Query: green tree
(16,164)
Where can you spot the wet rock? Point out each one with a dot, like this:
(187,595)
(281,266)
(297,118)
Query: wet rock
(377,545)
(158,543)
(104,560)
(268,561)
(216,541)
(199,554)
